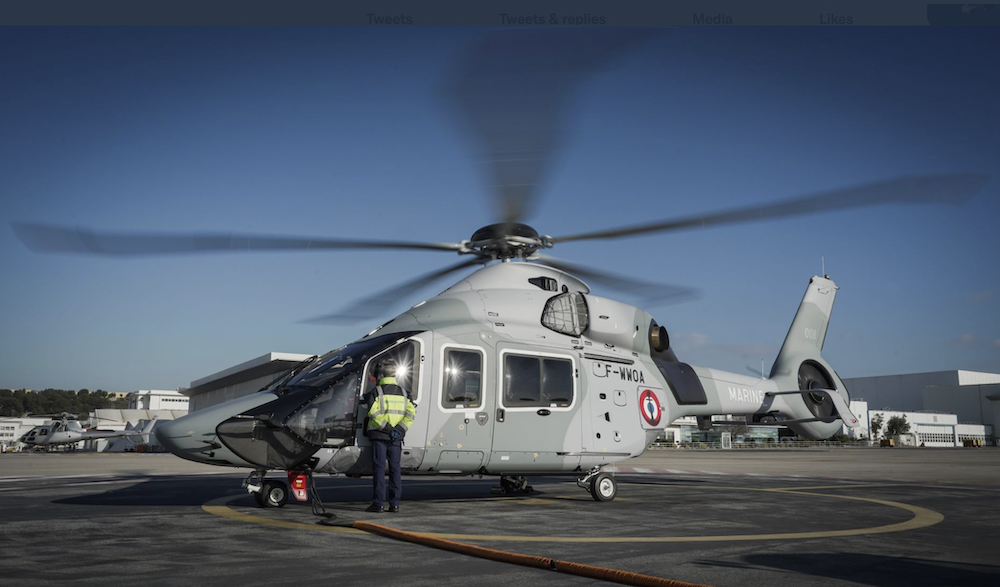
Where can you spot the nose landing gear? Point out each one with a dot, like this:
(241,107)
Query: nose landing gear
(268,494)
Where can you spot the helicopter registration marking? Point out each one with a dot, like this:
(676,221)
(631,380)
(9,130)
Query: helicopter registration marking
(626,373)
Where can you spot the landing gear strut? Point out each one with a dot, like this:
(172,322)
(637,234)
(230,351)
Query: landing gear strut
(513,484)
(267,494)
(602,485)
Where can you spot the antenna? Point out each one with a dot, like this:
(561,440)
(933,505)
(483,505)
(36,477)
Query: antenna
(822,261)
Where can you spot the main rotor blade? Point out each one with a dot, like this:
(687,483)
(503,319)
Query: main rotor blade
(512,89)
(43,238)
(379,302)
(658,292)
(926,189)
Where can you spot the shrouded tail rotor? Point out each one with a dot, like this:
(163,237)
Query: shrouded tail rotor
(812,377)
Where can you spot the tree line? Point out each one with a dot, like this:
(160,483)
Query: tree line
(20,403)
(894,427)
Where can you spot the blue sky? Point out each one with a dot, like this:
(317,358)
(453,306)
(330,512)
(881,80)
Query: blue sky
(345,133)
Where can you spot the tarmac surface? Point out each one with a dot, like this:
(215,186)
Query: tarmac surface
(837,517)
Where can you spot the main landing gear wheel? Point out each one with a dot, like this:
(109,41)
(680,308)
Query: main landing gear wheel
(274,494)
(603,487)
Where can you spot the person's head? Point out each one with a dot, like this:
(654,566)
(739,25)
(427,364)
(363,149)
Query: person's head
(386,367)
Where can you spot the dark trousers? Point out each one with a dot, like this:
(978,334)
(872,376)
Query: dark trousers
(381,451)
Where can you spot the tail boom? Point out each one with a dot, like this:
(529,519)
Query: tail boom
(802,391)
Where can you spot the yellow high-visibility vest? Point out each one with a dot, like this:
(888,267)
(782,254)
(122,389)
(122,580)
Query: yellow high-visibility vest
(389,410)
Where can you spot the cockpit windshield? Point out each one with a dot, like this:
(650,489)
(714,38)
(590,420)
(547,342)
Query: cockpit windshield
(332,386)
(325,370)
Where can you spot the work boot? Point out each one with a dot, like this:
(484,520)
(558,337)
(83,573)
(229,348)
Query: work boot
(375,509)
(393,509)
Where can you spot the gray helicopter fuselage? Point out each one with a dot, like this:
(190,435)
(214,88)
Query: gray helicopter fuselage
(516,369)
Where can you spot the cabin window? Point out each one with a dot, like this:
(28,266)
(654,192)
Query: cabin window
(566,314)
(462,381)
(531,381)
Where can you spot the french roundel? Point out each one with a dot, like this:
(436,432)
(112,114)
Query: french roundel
(649,407)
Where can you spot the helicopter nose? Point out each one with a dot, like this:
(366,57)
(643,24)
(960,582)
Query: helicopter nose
(193,437)
(180,437)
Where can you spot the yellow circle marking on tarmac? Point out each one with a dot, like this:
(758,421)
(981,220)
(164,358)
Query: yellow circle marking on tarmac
(922,518)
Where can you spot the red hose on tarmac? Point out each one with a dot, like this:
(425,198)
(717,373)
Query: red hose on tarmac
(539,562)
(488,553)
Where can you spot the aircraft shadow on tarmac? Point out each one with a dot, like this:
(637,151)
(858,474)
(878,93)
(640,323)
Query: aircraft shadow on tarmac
(342,494)
(869,569)
(173,491)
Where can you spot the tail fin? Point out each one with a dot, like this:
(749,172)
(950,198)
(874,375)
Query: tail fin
(799,365)
(147,430)
(807,334)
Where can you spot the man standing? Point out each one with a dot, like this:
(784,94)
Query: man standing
(390,413)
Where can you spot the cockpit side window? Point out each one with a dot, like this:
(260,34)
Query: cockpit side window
(462,380)
(329,417)
(407,359)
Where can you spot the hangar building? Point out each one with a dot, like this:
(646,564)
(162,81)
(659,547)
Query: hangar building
(972,396)
(927,428)
(243,379)
(12,428)
(157,399)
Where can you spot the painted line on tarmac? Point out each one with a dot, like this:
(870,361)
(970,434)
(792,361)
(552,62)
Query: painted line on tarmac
(220,507)
(922,518)
(41,481)
(15,479)
(104,481)
(37,477)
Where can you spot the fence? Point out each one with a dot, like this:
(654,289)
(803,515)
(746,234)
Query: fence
(765,445)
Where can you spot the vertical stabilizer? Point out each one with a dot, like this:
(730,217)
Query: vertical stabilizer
(800,366)
(808,331)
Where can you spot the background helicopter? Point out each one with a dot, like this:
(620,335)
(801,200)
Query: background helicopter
(518,147)
(65,429)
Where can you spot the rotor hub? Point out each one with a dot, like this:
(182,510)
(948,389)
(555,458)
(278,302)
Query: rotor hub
(505,240)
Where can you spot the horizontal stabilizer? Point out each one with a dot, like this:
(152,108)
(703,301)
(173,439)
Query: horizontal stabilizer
(800,421)
(839,406)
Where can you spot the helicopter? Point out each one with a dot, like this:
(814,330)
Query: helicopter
(67,430)
(517,369)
